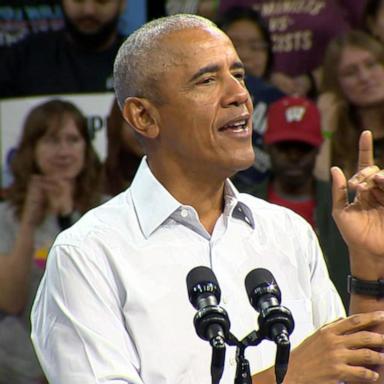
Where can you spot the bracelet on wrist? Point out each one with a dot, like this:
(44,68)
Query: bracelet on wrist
(373,288)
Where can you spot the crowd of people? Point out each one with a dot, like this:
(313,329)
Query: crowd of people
(229,101)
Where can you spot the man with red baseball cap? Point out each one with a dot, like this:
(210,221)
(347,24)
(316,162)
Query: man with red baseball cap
(292,138)
(293,119)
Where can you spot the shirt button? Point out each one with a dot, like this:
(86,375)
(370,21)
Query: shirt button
(225,300)
(232,361)
(184,213)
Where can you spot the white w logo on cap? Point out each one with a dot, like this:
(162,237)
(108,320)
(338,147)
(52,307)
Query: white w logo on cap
(294,113)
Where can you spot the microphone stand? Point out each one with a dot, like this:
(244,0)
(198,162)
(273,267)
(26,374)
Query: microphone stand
(215,320)
(243,372)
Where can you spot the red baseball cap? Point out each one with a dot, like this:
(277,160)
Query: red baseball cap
(293,119)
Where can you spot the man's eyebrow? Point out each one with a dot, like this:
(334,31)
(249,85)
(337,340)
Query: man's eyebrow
(214,68)
(237,65)
(207,69)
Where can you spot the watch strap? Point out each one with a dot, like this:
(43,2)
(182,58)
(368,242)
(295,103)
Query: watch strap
(374,288)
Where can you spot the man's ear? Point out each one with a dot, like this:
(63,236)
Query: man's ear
(141,115)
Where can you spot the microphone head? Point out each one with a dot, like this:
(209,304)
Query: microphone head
(260,282)
(201,281)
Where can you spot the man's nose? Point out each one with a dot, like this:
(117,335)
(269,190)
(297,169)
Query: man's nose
(235,92)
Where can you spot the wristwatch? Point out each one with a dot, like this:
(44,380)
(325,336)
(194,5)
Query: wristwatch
(374,288)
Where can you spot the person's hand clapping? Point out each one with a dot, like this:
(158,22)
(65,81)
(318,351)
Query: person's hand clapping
(59,194)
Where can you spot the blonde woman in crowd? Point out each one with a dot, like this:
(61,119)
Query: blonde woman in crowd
(56,179)
(353,101)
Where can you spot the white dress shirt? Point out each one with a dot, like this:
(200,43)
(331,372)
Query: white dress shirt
(113,304)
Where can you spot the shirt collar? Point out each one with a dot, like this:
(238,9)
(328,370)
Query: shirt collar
(154,204)
(235,207)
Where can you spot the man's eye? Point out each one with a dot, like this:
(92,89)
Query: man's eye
(206,80)
(240,76)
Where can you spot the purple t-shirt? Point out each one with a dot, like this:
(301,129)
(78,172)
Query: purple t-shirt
(301,30)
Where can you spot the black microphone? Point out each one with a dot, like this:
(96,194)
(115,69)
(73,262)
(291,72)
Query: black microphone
(211,321)
(265,296)
(275,321)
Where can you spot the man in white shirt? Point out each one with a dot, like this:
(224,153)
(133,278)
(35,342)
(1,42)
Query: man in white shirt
(113,305)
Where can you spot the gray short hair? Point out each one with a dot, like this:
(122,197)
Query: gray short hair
(137,64)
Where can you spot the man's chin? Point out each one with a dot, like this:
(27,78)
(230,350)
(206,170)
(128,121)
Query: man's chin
(246,162)
(242,165)
(88,32)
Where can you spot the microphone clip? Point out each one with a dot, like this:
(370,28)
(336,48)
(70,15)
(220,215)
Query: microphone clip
(276,324)
(212,324)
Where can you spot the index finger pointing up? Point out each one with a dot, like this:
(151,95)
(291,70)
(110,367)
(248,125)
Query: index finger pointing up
(365,150)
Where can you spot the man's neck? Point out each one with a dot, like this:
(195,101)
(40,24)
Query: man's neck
(207,200)
(202,192)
